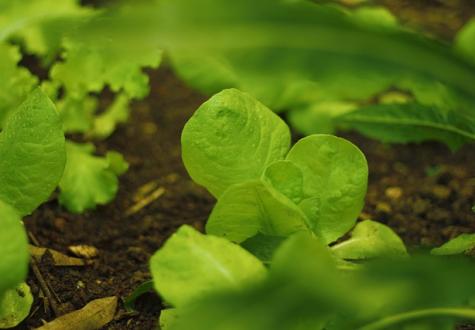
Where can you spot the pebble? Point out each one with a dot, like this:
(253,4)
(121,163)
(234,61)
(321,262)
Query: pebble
(393,192)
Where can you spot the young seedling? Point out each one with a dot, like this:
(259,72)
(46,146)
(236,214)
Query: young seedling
(240,151)
(32,161)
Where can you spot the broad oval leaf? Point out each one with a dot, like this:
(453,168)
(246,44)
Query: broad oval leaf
(32,153)
(253,207)
(457,245)
(230,139)
(335,180)
(370,239)
(191,264)
(13,249)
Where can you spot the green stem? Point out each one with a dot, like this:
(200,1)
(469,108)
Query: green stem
(463,313)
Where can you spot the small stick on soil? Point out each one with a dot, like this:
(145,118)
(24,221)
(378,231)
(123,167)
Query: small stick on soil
(147,200)
(33,239)
(45,288)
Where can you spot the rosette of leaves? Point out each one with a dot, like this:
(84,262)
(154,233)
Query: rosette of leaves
(32,160)
(266,190)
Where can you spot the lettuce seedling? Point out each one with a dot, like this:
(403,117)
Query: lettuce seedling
(240,151)
(32,163)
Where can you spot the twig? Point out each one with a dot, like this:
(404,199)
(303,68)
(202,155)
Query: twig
(58,311)
(154,195)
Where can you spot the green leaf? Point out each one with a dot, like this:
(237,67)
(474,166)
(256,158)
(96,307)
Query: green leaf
(116,113)
(191,265)
(90,67)
(33,155)
(369,240)
(230,139)
(465,41)
(40,24)
(77,113)
(263,246)
(16,82)
(286,178)
(129,301)
(319,117)
(304,256)
(117,163)
(208,74)
(15,305)
(168,317)
(335,179)
(411,122)
(13,249)
(457,245)
(253,207)
(88,180)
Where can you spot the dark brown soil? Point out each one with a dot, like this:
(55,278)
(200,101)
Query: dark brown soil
(424,192)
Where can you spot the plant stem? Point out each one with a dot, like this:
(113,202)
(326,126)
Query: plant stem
(464,313)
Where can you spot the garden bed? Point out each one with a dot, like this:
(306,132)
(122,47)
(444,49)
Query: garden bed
(424,192)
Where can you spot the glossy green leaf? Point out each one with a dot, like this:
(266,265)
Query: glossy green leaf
(88,180)
(191,265)
(253,207)
(33,155)
(411,122)
(232,138)
(460,244)
(335,179)
(370,239)
(15,305)
(13,249)
(286,178)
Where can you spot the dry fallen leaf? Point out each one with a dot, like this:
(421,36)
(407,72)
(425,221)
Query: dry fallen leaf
(93,316)
(59,258)
(84,251)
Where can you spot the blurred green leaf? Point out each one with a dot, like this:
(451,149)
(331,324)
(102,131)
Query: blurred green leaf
(460,244)
(191,265)
(88,180)
(410,122)
(15,82)
(13,249)
(15,305)
(370,239)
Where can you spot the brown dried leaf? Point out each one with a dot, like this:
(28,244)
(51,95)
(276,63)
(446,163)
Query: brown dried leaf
(59,258)
(84,251)
(93,316)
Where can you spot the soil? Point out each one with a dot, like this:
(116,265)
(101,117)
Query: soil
(424,192)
